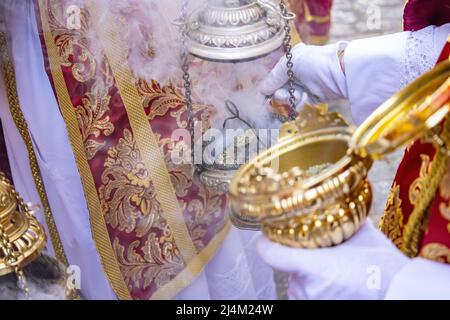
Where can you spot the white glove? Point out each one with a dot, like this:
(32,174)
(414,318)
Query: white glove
(317,69)
(421,280)
(375,68)
(361,268)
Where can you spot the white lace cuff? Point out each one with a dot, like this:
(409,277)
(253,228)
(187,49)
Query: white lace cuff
(420,55)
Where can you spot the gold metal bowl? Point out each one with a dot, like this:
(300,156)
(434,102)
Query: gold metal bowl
(327,227)
(304,175)
(311,189)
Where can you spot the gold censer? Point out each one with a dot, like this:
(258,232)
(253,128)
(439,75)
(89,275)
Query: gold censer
(22,238)
(311,190)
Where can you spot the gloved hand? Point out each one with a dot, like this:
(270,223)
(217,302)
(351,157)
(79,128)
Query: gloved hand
(361,268)
(421,279)
(317,70)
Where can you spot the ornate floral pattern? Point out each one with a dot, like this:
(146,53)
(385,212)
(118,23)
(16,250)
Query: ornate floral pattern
(436,252)
(127,194)
(76,54)
(159,100)
(417,186)
(444,190)
(141,239)
(73,46)
(203,208)
(92,118)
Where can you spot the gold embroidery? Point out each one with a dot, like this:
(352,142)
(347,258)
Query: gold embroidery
(194,267)
(125,187)
(160,262)
(136,176)
(116,53)
(169,97)
(430,184)
(205,210)
(93,119)
(98,225)
(418,184)
(392,221)
(161,99)
(74,51)
(444,190)
(436,252)
(68,42)
(127,194)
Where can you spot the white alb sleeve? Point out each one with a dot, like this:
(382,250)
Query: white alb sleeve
(376,68)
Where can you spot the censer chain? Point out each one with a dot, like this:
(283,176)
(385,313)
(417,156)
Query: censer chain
(184,29)
(288,16)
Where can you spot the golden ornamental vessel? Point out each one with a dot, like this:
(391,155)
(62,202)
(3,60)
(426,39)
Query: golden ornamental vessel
(22,238)
(311,189)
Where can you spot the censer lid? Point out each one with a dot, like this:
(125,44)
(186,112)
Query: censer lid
(409,114)
(236,30)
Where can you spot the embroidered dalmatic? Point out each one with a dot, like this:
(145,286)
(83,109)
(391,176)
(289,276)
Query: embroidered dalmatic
(417,215)
(154,224)
(313,20)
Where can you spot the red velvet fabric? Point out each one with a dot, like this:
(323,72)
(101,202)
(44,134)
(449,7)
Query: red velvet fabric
(423,13)
(414,168)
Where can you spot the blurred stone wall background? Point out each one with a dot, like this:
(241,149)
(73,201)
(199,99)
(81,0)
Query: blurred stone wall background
(353,19)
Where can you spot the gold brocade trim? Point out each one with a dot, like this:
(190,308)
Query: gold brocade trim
(146,141)
(184,278)
(98,225)
(414,227)
(116,53)
(444,191)
(22,126)
(415,189)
